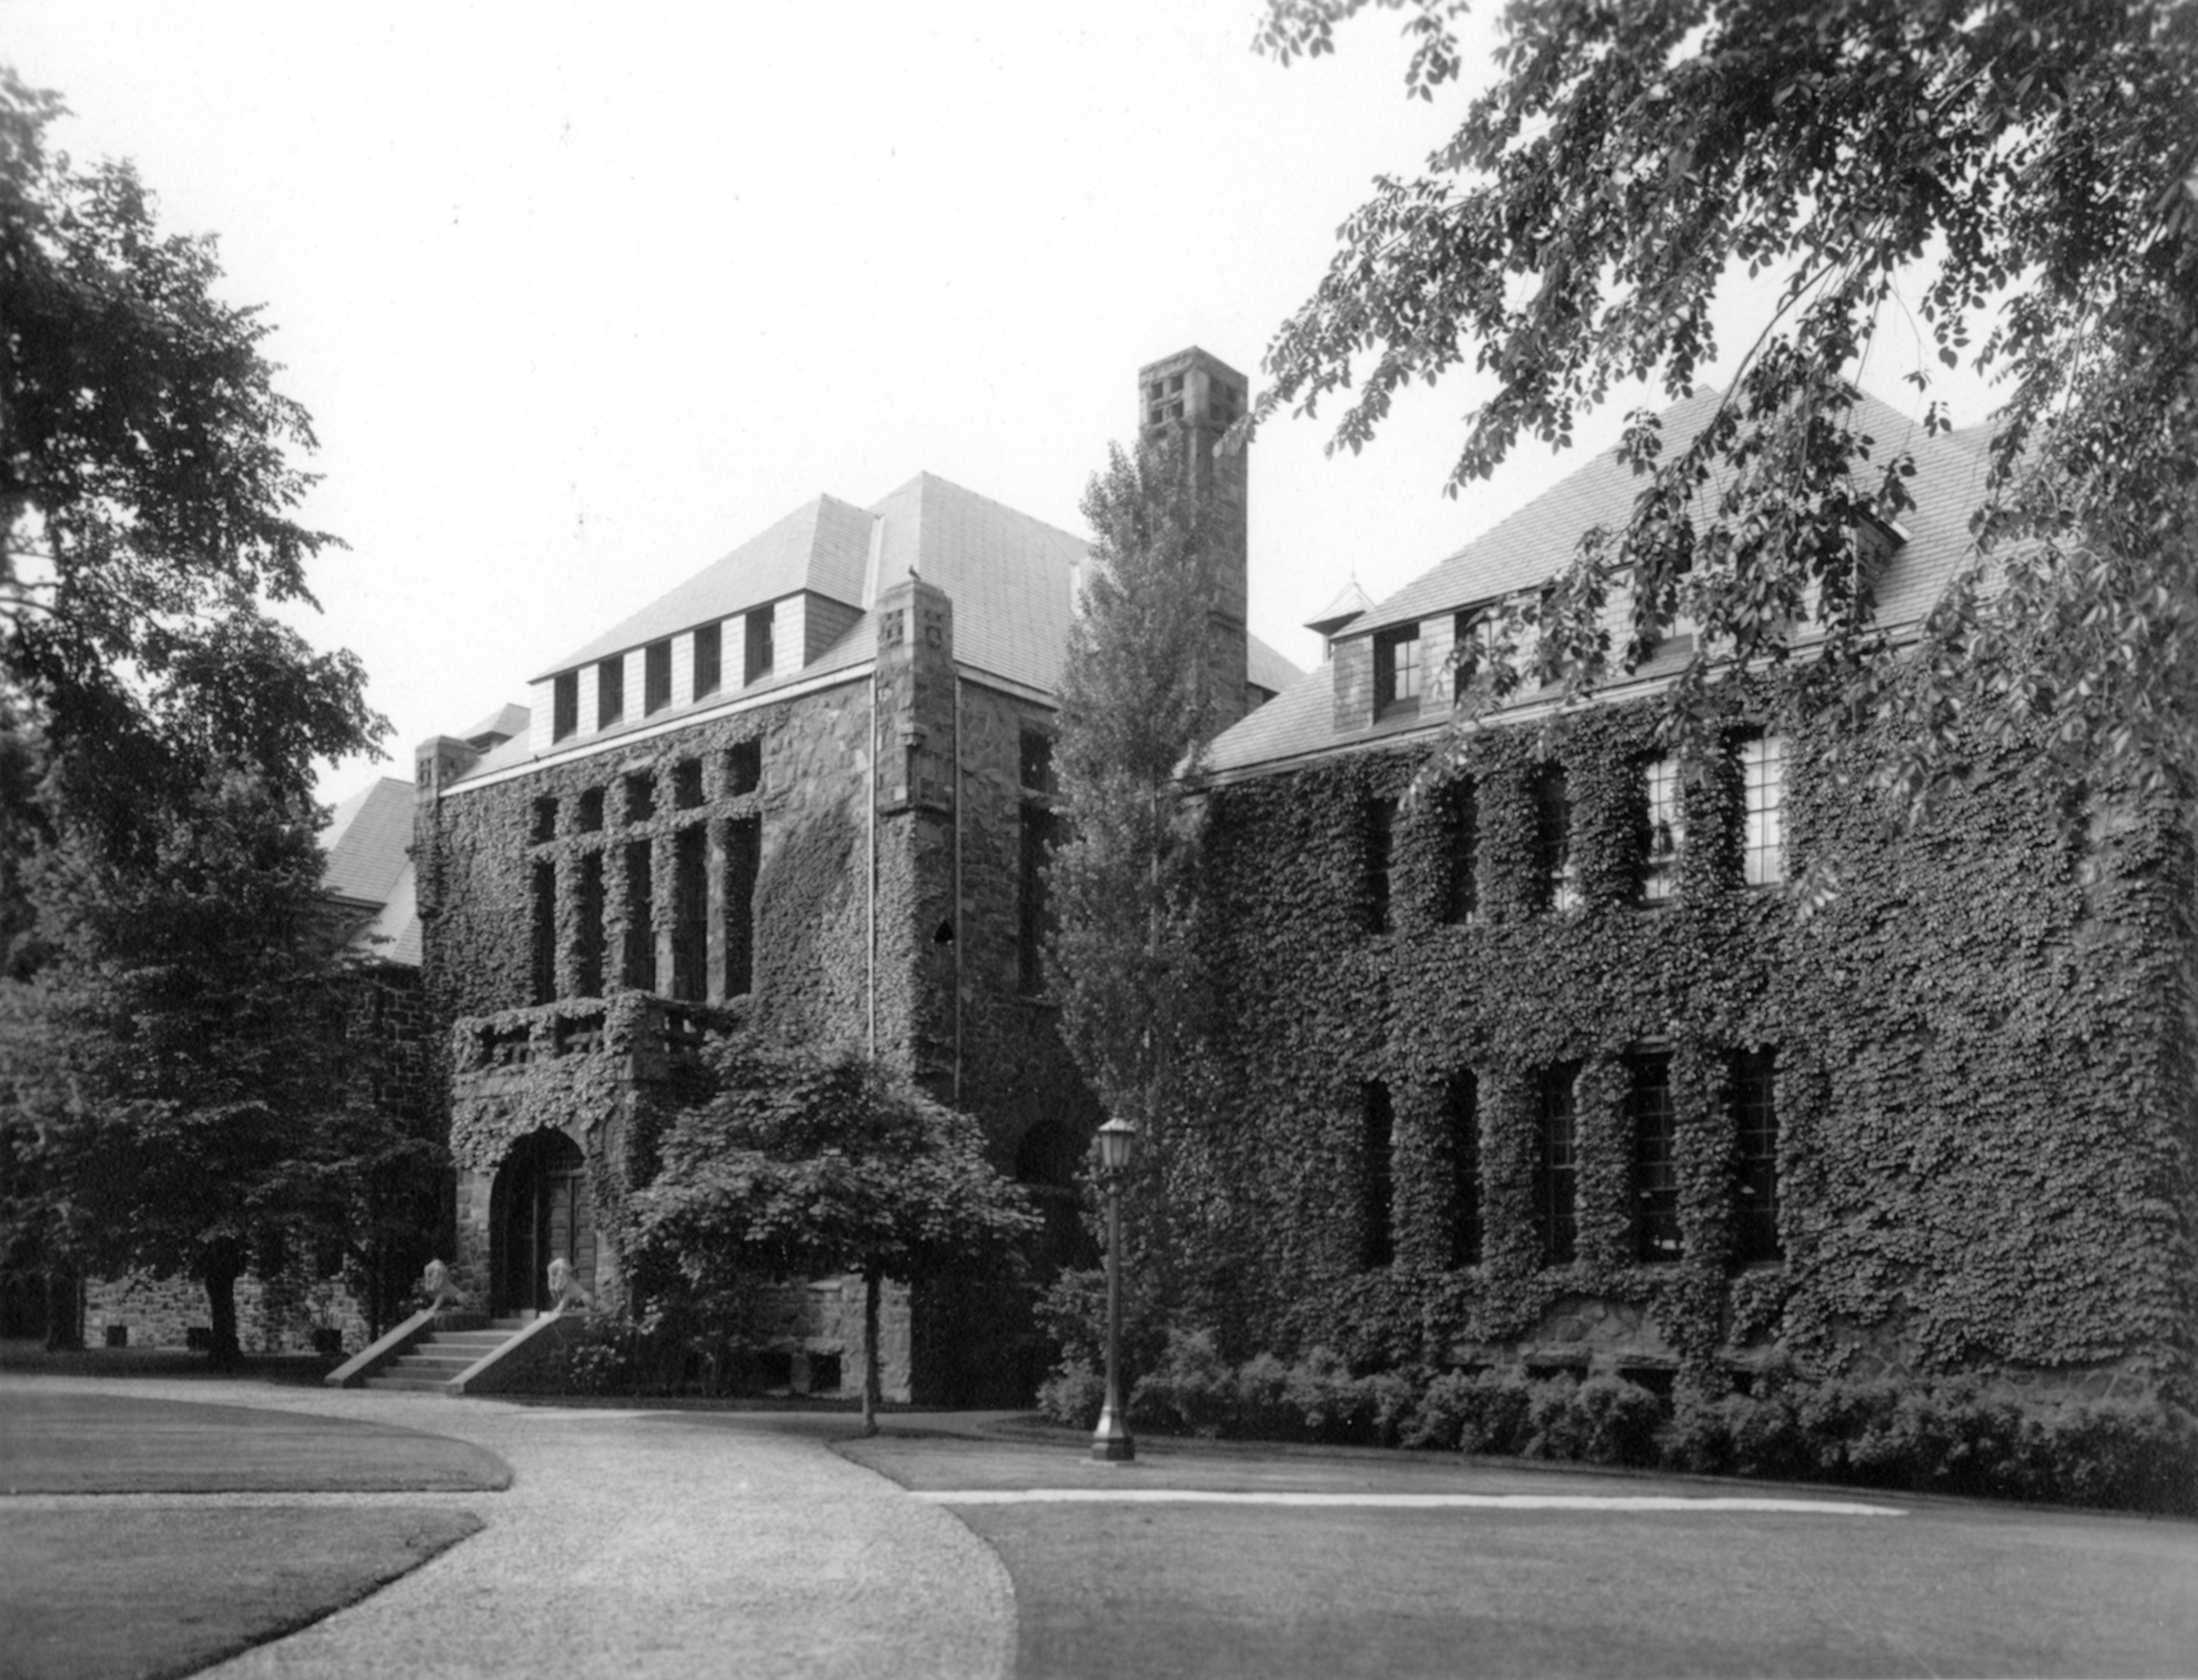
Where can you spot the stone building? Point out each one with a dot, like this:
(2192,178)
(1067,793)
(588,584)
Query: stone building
(1525,1059)
(809,789)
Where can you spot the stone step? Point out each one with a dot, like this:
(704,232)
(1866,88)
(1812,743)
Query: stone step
(414,1384)
(416,1364)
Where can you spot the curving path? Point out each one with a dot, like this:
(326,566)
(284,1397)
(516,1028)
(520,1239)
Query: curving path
(637,1544)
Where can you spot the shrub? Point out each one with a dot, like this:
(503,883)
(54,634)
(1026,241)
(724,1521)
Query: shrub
(1191,1389)
(1263,1409)
(1440,1416)
(1614,1422)
(1495,1418)
(1073,1394)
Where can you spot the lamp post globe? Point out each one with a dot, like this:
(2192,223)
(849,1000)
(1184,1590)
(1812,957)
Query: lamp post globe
(1118,1147)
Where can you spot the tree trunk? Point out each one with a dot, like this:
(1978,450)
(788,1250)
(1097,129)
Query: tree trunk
(64,1309)
(872,1387)
(224,1264)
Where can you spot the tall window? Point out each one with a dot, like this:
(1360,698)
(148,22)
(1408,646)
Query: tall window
(1660,846)
(1553,838)
(545,820)
(1034,910)
(1763,799)
(687,784)
(709,657)
(590,819)
(545,932)
(1557,1166)
(1461,835)
(743,768)
(1035,761)
(565,705)
(690,915)
(1396,672)
(655,677)
(759,654)
(588,948)
(1654,1126)
(743,859)
(610,691)
(639,969)
(1462,1105)
(640,796)
(1755,1120)
(1378,1122)
(1380,844)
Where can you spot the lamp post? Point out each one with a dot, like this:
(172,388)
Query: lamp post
(1118,1146)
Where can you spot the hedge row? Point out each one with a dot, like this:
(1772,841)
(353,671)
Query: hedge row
(1951,1437)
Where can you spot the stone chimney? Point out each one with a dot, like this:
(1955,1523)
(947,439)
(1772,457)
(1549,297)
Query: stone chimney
(1204,397)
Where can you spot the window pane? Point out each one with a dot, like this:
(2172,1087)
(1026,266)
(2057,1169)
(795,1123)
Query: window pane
(565,710)
(1763,781)
(1654,1127)
(610,692)
(1463,1103)
(1659,858)
(1377,1245)
(1553,838)
(1755,1120)
(1464,837)
(709,652)
(1556,1166)
(655,677)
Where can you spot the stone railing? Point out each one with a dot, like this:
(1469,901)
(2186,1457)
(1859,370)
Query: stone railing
(655,1034)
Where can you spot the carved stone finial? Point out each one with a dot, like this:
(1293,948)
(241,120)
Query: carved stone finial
(435,1279)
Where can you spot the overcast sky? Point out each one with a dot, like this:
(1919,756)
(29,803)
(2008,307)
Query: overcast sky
(582,298)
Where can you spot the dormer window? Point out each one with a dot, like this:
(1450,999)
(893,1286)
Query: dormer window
(760,654)
(1397,672)
(709,650)
(1474,647)
(610,692)
(655,678)
(564,706)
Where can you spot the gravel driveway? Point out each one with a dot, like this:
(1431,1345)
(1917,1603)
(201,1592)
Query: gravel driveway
(640,1543)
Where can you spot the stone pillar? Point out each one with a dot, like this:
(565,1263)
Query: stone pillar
(914,787)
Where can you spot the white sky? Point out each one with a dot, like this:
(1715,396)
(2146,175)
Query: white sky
(580,298)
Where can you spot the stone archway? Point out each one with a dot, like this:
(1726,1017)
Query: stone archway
(539,1209)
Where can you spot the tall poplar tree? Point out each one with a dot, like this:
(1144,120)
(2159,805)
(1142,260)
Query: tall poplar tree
(1139,700)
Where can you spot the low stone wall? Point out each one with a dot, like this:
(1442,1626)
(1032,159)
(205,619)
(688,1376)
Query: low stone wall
(277,1315)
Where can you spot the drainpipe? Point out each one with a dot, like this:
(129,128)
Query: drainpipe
(961,932)
(870,800)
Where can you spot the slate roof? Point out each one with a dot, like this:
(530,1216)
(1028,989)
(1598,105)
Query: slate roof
(365,840)
(368,867)
(1012,578)
(506,721)
(1535,542)
(822,547)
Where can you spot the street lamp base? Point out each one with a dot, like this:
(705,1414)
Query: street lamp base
(1110,1442)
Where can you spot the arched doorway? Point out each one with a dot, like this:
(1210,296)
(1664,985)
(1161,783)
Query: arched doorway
(538,1209)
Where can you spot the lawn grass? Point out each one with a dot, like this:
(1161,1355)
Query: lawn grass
(130,1592)
(73,1442)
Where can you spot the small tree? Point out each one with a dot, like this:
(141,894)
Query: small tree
(178,1090)
(810,1163)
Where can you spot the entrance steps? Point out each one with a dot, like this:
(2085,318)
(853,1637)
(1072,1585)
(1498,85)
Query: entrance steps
(430,1364)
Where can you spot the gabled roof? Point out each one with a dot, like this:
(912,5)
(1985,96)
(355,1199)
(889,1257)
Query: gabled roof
(1265,668)
(822,547)
(1537,542)
(365,840)
(370,867)
(500,725)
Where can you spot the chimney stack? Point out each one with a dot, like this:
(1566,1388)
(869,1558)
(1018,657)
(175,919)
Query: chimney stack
(1204,397)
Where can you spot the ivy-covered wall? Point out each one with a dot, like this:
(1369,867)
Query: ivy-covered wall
(1983,1082)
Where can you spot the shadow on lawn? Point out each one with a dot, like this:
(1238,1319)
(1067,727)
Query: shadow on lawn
(27,1357)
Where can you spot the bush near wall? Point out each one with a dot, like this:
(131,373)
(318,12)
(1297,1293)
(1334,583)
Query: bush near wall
(1953,1436)
(1982,1079)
